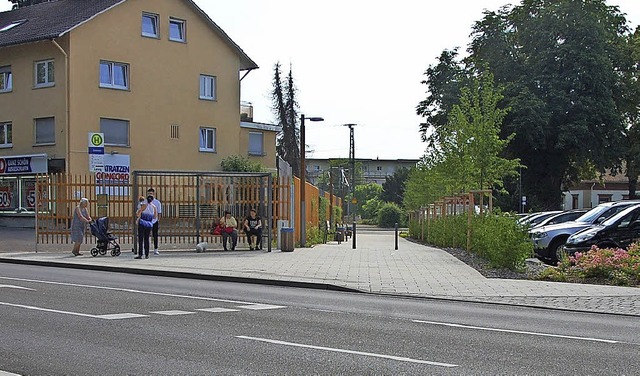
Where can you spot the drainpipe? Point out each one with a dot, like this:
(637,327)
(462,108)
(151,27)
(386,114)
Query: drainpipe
(66,106)
(591,194)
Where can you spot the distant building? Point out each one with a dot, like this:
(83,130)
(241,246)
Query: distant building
(590,193)
(373,170)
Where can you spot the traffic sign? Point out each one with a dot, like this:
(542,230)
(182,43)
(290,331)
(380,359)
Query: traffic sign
(96,143)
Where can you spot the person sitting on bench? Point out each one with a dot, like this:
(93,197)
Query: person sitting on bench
(253,229)
(229,225)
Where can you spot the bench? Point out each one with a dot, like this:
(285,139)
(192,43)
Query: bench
(243,241)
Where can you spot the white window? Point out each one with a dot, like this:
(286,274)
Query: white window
(44,73)
(45,131)
(255,143)
(150,25)
(116,132)
(114,75)
(208,139)
(207,87)
(6,79)
(379,168)
(177,30)
(6,140)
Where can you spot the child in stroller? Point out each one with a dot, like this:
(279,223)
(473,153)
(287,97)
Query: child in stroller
(106,240)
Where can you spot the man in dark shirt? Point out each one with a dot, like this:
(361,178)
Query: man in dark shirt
(253,228)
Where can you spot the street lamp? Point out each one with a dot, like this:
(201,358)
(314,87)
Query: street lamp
(303,182)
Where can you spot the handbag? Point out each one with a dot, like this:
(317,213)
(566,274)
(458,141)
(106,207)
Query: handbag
(217,230)
(229,230)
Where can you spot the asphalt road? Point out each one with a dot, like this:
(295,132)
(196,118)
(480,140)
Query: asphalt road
(74,322)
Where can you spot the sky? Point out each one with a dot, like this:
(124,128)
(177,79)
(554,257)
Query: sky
(353,61)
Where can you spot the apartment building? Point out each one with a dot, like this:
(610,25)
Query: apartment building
(158,78)
(373,170)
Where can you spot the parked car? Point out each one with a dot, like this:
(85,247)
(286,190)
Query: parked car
(548,241)
(618,231)
(533,219)
(565,216)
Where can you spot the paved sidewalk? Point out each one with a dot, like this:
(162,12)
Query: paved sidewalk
(374,267)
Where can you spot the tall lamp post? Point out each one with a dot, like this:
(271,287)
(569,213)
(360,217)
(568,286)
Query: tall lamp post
(303,181)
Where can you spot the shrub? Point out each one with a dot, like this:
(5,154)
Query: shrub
(390,214)
(314,235)
(494,237)
(609,266)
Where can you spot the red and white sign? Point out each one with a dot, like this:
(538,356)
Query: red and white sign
(6,198)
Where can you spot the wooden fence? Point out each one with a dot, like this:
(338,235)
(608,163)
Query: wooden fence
(191,203)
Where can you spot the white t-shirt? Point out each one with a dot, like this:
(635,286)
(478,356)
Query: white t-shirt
(158,206)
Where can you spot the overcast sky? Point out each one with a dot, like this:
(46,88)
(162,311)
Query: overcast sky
(354,61)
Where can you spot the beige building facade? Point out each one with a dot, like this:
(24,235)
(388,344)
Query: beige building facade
(158,78)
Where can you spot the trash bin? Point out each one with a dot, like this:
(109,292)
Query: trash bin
(286,243)
(339,237)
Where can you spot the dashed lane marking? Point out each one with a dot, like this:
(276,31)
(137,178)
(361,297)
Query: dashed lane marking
(120,316)
(217,310)
(515,331)
(173,313)
(107,317)
(391,357)
(258,307)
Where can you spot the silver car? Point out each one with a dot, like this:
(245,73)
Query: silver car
(548,241)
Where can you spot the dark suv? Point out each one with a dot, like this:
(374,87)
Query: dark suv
(618,231)
(548,241)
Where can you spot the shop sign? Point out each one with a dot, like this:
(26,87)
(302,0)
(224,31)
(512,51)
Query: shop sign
(23,164)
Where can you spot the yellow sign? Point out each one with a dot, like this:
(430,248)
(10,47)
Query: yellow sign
(354,200)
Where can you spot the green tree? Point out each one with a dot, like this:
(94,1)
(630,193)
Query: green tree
(285,107)
(629,105)
(236,163)
(393,187)
(557,61)
(364,193)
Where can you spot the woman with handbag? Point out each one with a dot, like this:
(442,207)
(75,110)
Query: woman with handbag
(229,225)
(145,217)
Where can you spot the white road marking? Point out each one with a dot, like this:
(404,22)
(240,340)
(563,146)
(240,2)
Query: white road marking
(4,373)
(16,287)
(515,331)
(391,357)
(107,317)
(258,306)
(121,316)
(217,310)
(129,290)
(173,313)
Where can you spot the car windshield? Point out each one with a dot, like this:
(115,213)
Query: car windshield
(593,214)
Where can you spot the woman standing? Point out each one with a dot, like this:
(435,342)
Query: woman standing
(79,225)
(145,217)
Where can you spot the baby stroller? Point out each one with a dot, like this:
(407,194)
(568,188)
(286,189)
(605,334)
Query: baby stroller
(106,240)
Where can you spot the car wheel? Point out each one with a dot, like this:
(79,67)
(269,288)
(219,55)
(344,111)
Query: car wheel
(557,249)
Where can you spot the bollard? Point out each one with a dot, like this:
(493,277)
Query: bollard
(396,236)
(354,236)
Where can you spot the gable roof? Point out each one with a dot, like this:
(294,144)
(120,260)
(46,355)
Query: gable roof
(56,18)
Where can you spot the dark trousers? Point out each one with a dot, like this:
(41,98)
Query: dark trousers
(257,232)
(154,232)
(234,239)
(143,240)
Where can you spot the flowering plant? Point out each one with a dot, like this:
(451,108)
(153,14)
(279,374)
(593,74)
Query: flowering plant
(610,266)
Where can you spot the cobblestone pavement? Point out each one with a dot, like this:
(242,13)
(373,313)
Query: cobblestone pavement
(374,267)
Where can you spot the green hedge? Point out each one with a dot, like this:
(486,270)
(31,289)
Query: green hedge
(494,237)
